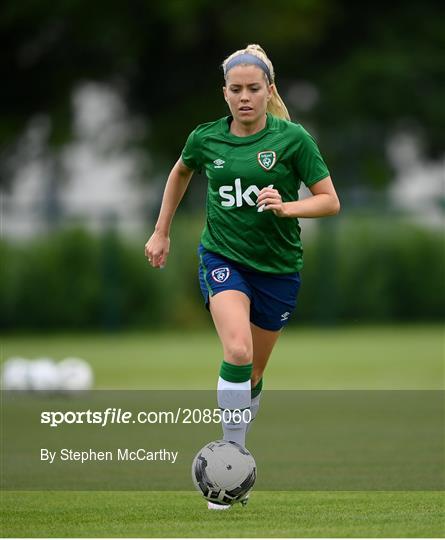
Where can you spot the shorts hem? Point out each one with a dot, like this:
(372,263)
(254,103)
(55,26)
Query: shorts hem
(207,298)
(266,326)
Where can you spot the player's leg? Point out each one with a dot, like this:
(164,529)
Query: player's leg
(230,311)
(227,296)
(263,342)
(273,302)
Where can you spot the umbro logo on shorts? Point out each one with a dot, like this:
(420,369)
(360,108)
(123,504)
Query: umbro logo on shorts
(221,274)
(285,316)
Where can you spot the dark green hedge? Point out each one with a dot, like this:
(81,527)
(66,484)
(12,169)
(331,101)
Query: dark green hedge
(356,270)
(369,270)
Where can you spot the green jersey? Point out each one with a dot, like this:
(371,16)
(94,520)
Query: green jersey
(281,155)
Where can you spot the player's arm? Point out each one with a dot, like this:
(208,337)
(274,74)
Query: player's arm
(324,202)
(157,247)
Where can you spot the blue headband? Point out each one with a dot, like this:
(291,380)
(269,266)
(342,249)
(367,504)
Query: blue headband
(248,58)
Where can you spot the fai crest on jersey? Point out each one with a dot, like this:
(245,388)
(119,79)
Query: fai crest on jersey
(267,159)
(221,274)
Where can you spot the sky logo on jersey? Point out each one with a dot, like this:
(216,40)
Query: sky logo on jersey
(240,197)
(219,163)
(221,274)
(267,159)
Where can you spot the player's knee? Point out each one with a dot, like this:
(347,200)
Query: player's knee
(238,352)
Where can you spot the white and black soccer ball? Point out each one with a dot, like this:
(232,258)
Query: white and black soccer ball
(224,472)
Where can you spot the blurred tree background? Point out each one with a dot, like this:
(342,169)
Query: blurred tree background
(359,75)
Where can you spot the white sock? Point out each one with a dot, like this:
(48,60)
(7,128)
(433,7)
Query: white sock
(234,397)
(254,407)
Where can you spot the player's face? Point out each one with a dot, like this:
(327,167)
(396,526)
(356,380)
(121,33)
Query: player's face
(247,93)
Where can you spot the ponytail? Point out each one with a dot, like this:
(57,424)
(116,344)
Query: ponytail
(275,106)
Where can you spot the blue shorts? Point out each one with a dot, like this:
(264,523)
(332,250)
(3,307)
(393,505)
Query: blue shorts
(273,297)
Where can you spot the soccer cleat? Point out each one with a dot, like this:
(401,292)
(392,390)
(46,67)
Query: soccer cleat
(245,499)
(217,506)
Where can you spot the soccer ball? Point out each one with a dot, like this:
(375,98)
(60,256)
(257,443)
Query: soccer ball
(224,472)
(75,374)
(15,374)
(43,375)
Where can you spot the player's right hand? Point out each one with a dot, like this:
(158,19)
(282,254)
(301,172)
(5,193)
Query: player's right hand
(157,249)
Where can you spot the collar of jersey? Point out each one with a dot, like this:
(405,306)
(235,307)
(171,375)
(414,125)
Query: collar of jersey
(248,138)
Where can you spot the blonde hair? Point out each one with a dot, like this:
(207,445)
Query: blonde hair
(275,105)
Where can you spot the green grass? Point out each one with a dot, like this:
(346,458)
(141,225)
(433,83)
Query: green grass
(166,514)
(392,357)
(387,357)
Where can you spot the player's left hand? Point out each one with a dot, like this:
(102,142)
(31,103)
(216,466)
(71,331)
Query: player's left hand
(270,199)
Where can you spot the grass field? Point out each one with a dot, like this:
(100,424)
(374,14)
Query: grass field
(346,358)
(183,514)
(389,357)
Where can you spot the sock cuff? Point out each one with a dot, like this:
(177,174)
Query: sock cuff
(236,374)
(256,389)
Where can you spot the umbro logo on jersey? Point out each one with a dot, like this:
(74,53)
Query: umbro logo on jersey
(267,159)
(221,274)
(219,163)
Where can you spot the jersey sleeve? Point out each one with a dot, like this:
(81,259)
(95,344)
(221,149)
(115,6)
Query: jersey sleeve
(308,162)
(191,153)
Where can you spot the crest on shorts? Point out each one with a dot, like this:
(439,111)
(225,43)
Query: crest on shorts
(267,159)
(221,274)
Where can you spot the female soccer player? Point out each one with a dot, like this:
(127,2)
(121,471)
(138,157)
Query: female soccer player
(250,252)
